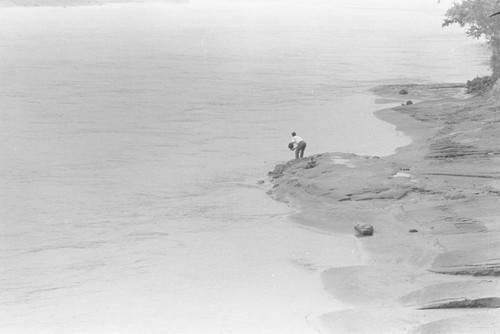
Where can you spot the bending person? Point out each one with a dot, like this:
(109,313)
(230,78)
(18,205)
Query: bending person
(301,145)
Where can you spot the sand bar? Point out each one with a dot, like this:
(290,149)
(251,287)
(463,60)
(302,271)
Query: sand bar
(433,262)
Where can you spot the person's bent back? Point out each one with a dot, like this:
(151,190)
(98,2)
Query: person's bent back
(300,145)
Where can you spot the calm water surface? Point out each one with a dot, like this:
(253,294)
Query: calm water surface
(132,138)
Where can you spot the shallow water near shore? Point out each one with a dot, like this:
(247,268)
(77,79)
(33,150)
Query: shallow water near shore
(133,138)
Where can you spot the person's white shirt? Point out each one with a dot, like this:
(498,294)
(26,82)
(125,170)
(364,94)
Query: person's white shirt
(297,139)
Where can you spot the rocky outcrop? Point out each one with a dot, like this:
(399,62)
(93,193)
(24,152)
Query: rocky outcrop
(466,294)
(480,85)
(445,185)
(474,254)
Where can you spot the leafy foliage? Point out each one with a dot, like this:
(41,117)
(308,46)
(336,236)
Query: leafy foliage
(480,19)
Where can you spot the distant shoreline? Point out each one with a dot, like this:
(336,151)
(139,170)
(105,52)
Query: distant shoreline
(435,209)
(75,3)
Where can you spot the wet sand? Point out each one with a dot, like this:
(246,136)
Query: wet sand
(433,262)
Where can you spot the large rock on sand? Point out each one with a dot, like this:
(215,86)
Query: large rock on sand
(364,228)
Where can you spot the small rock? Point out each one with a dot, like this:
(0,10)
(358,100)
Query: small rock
(403,92)
(409,102)
(311,163)
(364,228)
(260,182)
(413,230)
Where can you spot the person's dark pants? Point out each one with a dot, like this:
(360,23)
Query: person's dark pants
(301,147)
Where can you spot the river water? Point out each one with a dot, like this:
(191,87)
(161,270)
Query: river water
(133,138)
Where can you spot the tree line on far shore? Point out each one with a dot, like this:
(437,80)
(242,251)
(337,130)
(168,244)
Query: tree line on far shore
(42,3)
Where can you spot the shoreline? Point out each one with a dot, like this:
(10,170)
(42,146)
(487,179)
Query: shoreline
(444,187)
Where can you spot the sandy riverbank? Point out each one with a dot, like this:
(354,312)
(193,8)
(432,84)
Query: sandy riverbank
(443,276)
